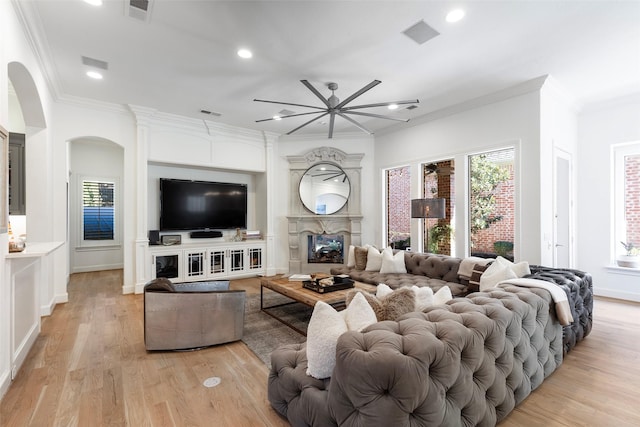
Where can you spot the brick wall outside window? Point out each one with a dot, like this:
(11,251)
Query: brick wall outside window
(398,204)
(632,198)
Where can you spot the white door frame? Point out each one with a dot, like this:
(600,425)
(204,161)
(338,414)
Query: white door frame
(563,196)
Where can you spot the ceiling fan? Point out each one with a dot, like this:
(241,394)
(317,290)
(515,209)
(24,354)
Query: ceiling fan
(334,107)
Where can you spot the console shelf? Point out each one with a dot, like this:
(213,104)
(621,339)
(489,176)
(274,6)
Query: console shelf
(193,262)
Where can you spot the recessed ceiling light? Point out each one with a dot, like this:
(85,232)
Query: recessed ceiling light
(455,15)
(245,53)
(94,2)
(277,118)
(392,106)
(94,75)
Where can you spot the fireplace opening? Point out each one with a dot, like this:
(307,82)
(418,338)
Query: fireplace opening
(325,249)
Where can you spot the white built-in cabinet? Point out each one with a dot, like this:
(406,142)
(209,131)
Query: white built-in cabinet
(194,262)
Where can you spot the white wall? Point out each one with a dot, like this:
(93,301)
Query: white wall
(599,128)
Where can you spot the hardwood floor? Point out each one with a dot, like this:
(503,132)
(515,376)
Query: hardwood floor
(89,367)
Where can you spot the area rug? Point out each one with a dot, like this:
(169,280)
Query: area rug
(263,334)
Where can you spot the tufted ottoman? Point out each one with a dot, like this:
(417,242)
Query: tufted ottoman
(469,362)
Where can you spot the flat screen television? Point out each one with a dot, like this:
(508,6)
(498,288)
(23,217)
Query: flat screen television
(201,205)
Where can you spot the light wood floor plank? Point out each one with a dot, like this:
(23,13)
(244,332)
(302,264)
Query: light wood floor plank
(89,367)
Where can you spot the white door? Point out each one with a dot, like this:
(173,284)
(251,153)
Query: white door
(562,213)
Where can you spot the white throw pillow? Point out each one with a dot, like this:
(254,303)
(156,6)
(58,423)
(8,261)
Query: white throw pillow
(520,269)
(392,263)
(374,259)
(497,272)
(442,296)
(359,314)
(424,297)
(326,326)
(351,257)
(382,290)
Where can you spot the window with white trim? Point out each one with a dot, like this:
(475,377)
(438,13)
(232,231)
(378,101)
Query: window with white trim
(626,194)
(98,212)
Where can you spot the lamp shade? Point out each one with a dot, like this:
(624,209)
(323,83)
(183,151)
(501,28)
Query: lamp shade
(428,208)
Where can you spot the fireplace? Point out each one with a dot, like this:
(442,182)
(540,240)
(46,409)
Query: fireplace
(325,248)
(314,238)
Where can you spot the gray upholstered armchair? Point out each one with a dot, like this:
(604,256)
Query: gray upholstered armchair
(181,316)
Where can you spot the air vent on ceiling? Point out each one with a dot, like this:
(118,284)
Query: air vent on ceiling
(139,9)
(285,112)
(210,113)
(95,63)
(412,107)
(420,32)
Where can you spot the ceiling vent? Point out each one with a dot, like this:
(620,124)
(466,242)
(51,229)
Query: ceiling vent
(412,107)
(285,112)
(420,32)
(138,9)
(95,63)
(210,113)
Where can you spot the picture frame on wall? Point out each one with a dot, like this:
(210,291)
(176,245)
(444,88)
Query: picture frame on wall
(4,176)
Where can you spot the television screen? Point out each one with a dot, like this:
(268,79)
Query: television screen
(200,205)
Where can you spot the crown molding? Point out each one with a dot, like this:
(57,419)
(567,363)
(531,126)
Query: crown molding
(31,24)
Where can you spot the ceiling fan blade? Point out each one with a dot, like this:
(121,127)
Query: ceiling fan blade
(310,121)
(358,93)
(331,122)
(289,103)
(378,116)
(284,117)
(358,125)
(315,92)
(382,104)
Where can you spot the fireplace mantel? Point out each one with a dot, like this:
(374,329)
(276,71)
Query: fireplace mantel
(303,223)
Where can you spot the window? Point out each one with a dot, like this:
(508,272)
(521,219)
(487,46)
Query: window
(492,203)
(626,196)
(438,182)
(98,215)
(398,186)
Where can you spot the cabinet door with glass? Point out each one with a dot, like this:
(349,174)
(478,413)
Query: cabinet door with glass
(218,262)
(167,265)
(254,258)
(195,266)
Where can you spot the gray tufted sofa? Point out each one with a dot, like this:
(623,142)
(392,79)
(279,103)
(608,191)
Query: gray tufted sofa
(424,269)
(469,362)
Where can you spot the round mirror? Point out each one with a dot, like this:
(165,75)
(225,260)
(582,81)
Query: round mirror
(324,188)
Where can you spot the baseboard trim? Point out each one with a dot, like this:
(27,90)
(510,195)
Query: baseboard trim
(5,382)
(612,293)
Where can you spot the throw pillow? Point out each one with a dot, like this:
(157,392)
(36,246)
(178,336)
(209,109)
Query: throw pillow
(389,307)
(424,297)
(476,274)
(520,269)
(351,256)
(359,314)
(496,273)
(442,296)
(361,257)
(382,290)
(374,259)
(326,325)
(392,263)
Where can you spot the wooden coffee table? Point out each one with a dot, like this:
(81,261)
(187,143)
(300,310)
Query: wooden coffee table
(299,294)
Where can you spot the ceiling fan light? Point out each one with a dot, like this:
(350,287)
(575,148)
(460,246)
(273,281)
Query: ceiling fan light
(455,15)
(392,106)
